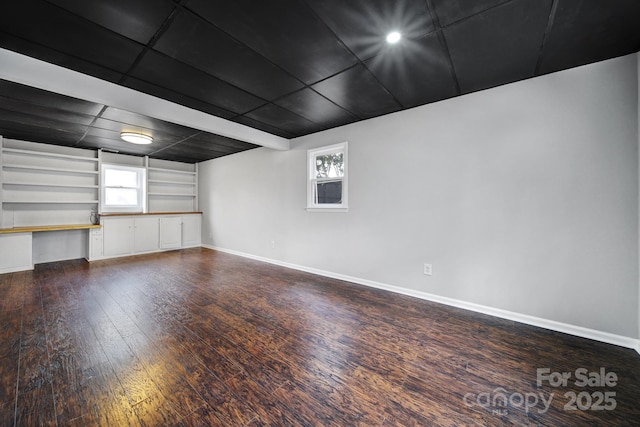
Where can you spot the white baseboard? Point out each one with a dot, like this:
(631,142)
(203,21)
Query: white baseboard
(16,269)
(566,328)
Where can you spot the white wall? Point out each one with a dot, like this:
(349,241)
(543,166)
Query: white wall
(53,246)
(523,197)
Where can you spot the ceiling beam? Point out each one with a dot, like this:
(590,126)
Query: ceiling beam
(29,71)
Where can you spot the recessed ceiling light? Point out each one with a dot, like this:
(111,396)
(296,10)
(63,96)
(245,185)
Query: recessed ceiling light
(136,138)
(393,37)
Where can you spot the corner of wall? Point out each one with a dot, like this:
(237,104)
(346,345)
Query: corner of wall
(638,134)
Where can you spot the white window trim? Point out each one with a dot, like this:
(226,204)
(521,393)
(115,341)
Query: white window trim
(142,195)
(311,155)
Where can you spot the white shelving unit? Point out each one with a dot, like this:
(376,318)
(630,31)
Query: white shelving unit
(171,186)
(48,194)
(47,184)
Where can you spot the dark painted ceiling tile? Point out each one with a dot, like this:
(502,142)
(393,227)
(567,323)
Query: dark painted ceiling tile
(359,92)
(178,98)
(190,151)
(203,147)
(313,106)
(182,159)
(43,53)
(189,156)
(286,31)
(283,119)
(35,133)
(119,126)
(193,151)
(415,72)
(167,73)
(44,112)
(490,42)
(139,120)
(204,140)
(177,158)
(364,24)
(41,121)
(201,45)
(498,46)
(450,11)
(613,30)
(43,98)
(136,19)
(41,23)
(248,121)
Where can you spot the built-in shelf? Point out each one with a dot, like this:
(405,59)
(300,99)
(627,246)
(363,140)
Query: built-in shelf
(47,154)
(172,194)
(48,169)
(171,189)
(52,202)
(172,171)
(160,181)
(40,183)
(45,184)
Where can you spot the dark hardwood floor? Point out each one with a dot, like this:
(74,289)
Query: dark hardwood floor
(199,338)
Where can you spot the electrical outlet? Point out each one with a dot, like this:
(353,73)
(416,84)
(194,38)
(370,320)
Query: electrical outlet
(428,269)
(273,244)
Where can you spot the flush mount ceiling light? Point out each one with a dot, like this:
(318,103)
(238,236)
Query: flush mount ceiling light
(393,37)
(136,138)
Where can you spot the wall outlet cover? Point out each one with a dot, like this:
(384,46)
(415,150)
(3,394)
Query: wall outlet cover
(428,269)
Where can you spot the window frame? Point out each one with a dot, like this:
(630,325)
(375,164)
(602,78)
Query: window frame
(312,154)
(140,206)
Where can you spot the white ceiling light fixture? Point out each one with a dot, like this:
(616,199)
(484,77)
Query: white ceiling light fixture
(136,138)
(393,37)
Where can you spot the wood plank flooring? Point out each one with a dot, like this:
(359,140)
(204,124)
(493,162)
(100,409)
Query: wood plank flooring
(199,338)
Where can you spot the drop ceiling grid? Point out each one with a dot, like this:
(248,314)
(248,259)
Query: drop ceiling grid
(295,67)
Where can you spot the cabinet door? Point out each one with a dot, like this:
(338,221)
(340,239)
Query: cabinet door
(16,252)
(95,244)
(117,236)
(146,234)
(170,232)
(191,231)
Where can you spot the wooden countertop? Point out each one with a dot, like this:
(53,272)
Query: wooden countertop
(151,213)
(47,228)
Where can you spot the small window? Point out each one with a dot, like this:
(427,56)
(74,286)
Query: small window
(327,178)
(123,189)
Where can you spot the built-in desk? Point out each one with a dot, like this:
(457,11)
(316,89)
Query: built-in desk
(16,244)
(47,228)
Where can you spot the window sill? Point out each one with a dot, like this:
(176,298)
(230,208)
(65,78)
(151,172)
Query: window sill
(328,210)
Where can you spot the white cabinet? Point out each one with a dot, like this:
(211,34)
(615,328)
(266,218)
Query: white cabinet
(15,252)
(171,232)
(134,234)
(191,234)
(146,234)
(130,235)
(95,244)
(117,236)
